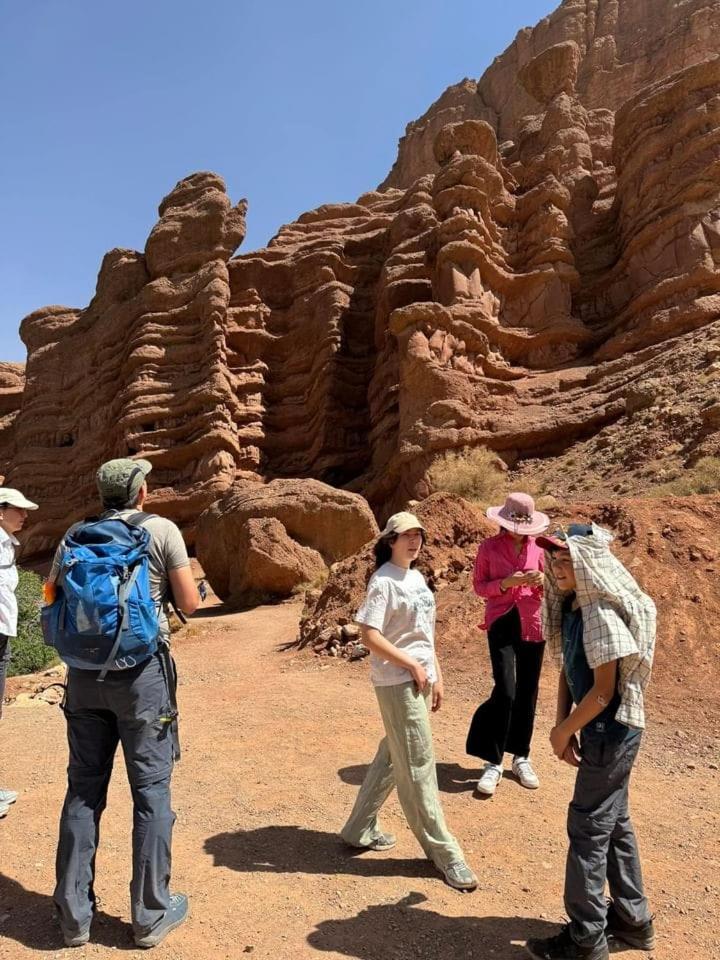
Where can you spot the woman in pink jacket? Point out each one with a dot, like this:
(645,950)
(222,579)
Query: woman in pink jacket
(509,575)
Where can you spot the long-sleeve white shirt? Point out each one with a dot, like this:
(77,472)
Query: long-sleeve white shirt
(8,584)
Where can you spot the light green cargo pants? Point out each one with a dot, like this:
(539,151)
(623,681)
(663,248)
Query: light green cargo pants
(405,759)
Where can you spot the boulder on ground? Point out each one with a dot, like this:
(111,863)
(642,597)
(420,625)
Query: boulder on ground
(267,539)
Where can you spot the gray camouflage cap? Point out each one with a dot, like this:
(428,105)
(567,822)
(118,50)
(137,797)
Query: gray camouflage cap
(120,480)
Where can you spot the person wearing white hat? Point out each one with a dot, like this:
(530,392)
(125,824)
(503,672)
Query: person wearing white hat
(398,626)
(508,574)
(14,509)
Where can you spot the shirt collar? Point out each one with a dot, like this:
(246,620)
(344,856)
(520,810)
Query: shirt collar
(4,535)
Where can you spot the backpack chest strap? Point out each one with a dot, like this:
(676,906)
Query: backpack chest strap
(124,591)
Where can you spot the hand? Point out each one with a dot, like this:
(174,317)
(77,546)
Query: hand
(534,578)
(438,695)
(572,752)
(560,741)
(515,580)
(419,675)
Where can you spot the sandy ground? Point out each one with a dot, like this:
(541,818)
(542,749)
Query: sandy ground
(275,744)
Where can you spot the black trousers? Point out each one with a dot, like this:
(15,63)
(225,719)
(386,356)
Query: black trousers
(504,723)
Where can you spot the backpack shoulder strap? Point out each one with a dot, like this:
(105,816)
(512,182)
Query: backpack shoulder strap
(138,519)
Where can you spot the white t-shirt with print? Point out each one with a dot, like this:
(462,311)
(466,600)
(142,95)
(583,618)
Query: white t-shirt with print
(401,606)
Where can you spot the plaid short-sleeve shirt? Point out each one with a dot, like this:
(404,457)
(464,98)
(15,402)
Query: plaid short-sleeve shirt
(619,620)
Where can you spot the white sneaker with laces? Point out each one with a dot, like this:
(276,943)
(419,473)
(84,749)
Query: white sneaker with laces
(524,772)
(491,776)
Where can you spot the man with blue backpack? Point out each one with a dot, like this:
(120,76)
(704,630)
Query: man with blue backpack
(112,575)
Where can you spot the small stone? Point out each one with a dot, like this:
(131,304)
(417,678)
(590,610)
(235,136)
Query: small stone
(358,651)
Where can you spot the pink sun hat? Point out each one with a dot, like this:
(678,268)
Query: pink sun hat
(518,515)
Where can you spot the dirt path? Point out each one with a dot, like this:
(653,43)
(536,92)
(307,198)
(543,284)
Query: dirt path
(274,746)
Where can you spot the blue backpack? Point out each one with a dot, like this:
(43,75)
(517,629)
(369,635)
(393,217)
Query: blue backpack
(103,617)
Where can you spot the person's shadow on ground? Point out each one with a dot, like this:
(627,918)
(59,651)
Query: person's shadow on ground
(291,849)
(398,931)
(29,918)
(452,778)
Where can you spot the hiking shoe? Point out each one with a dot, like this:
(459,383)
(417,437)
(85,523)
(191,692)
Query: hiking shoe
(491,776)
(459,876)
(640,937)
(524,772)
(563,947)
(8,796)
(381,841)
(175,914)
(76,939)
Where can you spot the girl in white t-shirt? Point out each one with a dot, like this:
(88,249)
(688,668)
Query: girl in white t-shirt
(398,626)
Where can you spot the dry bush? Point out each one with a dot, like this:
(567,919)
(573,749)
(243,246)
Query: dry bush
(474,473)
(704,477)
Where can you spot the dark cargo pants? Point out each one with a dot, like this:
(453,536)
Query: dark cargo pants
(602,842)
(130,707)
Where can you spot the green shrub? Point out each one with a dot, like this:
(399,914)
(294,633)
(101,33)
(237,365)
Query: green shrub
(29,652)
(473,473)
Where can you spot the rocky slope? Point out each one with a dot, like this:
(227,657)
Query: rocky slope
(669,546)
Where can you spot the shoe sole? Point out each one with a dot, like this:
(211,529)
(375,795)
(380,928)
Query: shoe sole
(486,792)
(153,941)
(635,942)
(372,846)
(460,888)
(538,957)
(77,941)
(529,786)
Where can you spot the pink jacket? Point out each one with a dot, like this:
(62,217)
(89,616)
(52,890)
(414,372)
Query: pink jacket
(497,559)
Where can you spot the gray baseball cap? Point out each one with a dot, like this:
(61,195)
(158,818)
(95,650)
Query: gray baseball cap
(120,480)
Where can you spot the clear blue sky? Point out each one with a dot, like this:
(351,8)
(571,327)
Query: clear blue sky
(105,106)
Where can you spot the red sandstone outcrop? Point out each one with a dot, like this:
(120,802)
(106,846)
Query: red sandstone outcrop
(267,539)
(144,368)
(623,46)
(554,296)
(12,384)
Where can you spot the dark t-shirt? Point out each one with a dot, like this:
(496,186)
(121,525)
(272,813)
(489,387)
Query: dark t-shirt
(580,677)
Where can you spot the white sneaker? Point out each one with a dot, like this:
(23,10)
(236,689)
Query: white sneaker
(490,778)
(8,796)
(525,773)
(4,807)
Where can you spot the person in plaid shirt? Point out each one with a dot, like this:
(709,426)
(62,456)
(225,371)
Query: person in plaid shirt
(600,628)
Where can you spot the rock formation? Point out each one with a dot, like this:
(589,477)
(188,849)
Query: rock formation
(541,277)
(267,539)
(12,384)
(623,47)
